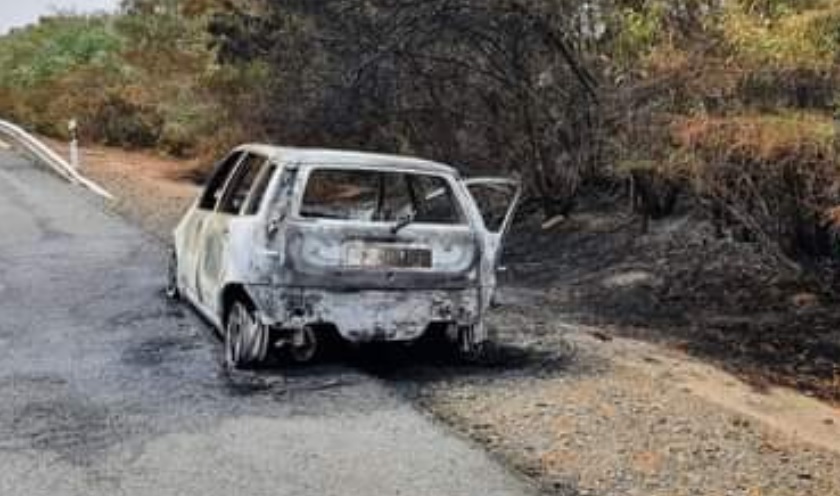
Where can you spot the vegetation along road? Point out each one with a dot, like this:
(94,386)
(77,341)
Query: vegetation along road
(671,309)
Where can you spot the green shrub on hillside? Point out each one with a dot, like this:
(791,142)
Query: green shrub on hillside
(132,80)
(34,55)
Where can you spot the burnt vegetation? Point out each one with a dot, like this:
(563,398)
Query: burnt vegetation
(670,99)
(445,79)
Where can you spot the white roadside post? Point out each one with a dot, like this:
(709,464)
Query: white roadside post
(72,126)
(48,157)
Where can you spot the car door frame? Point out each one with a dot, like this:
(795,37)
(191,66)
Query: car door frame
(188,235)
(217,233)
(492,245)
(493,241)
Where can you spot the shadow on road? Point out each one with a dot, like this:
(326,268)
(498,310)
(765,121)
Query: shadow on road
(431,361)
(420,363)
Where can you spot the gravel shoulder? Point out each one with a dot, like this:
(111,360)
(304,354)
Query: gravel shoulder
(572,399)
(608,415)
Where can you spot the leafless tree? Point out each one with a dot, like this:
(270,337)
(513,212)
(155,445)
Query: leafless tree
(490,85)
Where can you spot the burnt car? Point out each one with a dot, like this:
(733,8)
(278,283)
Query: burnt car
(286,246)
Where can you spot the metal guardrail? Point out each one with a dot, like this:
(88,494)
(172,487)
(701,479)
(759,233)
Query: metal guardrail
(45,154)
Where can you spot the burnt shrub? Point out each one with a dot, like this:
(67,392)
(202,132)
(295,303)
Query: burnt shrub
(119,122)
(800,88)
(775,176)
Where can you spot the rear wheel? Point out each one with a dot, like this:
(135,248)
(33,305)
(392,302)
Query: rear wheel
(246,339)
(305,346)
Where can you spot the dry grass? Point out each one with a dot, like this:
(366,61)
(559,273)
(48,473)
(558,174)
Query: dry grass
(778,175)
(802,39)
(767,138)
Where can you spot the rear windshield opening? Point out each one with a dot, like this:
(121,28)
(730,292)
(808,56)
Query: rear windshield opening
(379,196)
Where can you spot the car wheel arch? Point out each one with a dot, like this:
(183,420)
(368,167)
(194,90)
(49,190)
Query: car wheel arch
(231,294)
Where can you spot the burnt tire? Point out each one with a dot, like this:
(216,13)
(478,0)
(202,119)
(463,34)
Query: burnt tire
(245,338)
(309,348)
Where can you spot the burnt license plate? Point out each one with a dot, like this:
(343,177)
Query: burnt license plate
(361,255)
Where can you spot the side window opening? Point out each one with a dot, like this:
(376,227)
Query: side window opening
(255,199)
(379,196)
(494,201)
(215,187)
(434,200)
(238,189)
(287,184)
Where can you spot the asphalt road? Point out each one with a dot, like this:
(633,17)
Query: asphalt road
(108,389)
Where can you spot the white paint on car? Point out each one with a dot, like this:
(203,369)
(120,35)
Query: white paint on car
(376,247)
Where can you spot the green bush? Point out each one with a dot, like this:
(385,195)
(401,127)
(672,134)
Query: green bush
(136,79)
(806,39)
(638,31)
(57,45)
(189,117)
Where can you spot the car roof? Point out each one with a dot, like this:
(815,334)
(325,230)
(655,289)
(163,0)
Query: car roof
(346,159)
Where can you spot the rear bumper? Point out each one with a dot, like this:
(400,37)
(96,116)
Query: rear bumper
(369,315)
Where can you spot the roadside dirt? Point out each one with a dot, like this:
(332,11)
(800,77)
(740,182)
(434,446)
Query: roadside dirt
(621,417)
(151,190)
(628,364)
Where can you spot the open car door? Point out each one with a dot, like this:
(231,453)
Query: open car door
(497,200)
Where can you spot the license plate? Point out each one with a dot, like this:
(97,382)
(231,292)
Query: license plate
(360,255)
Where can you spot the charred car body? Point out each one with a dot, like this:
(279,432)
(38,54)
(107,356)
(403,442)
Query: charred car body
(286,245)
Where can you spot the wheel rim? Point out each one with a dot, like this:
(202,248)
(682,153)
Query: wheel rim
(263,338)
(246,341)
(250,338)
(233,337)
(306,353)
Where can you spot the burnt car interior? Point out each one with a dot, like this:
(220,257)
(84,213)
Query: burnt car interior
(378,196)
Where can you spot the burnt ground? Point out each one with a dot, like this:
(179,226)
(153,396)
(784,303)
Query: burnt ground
(682,285)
